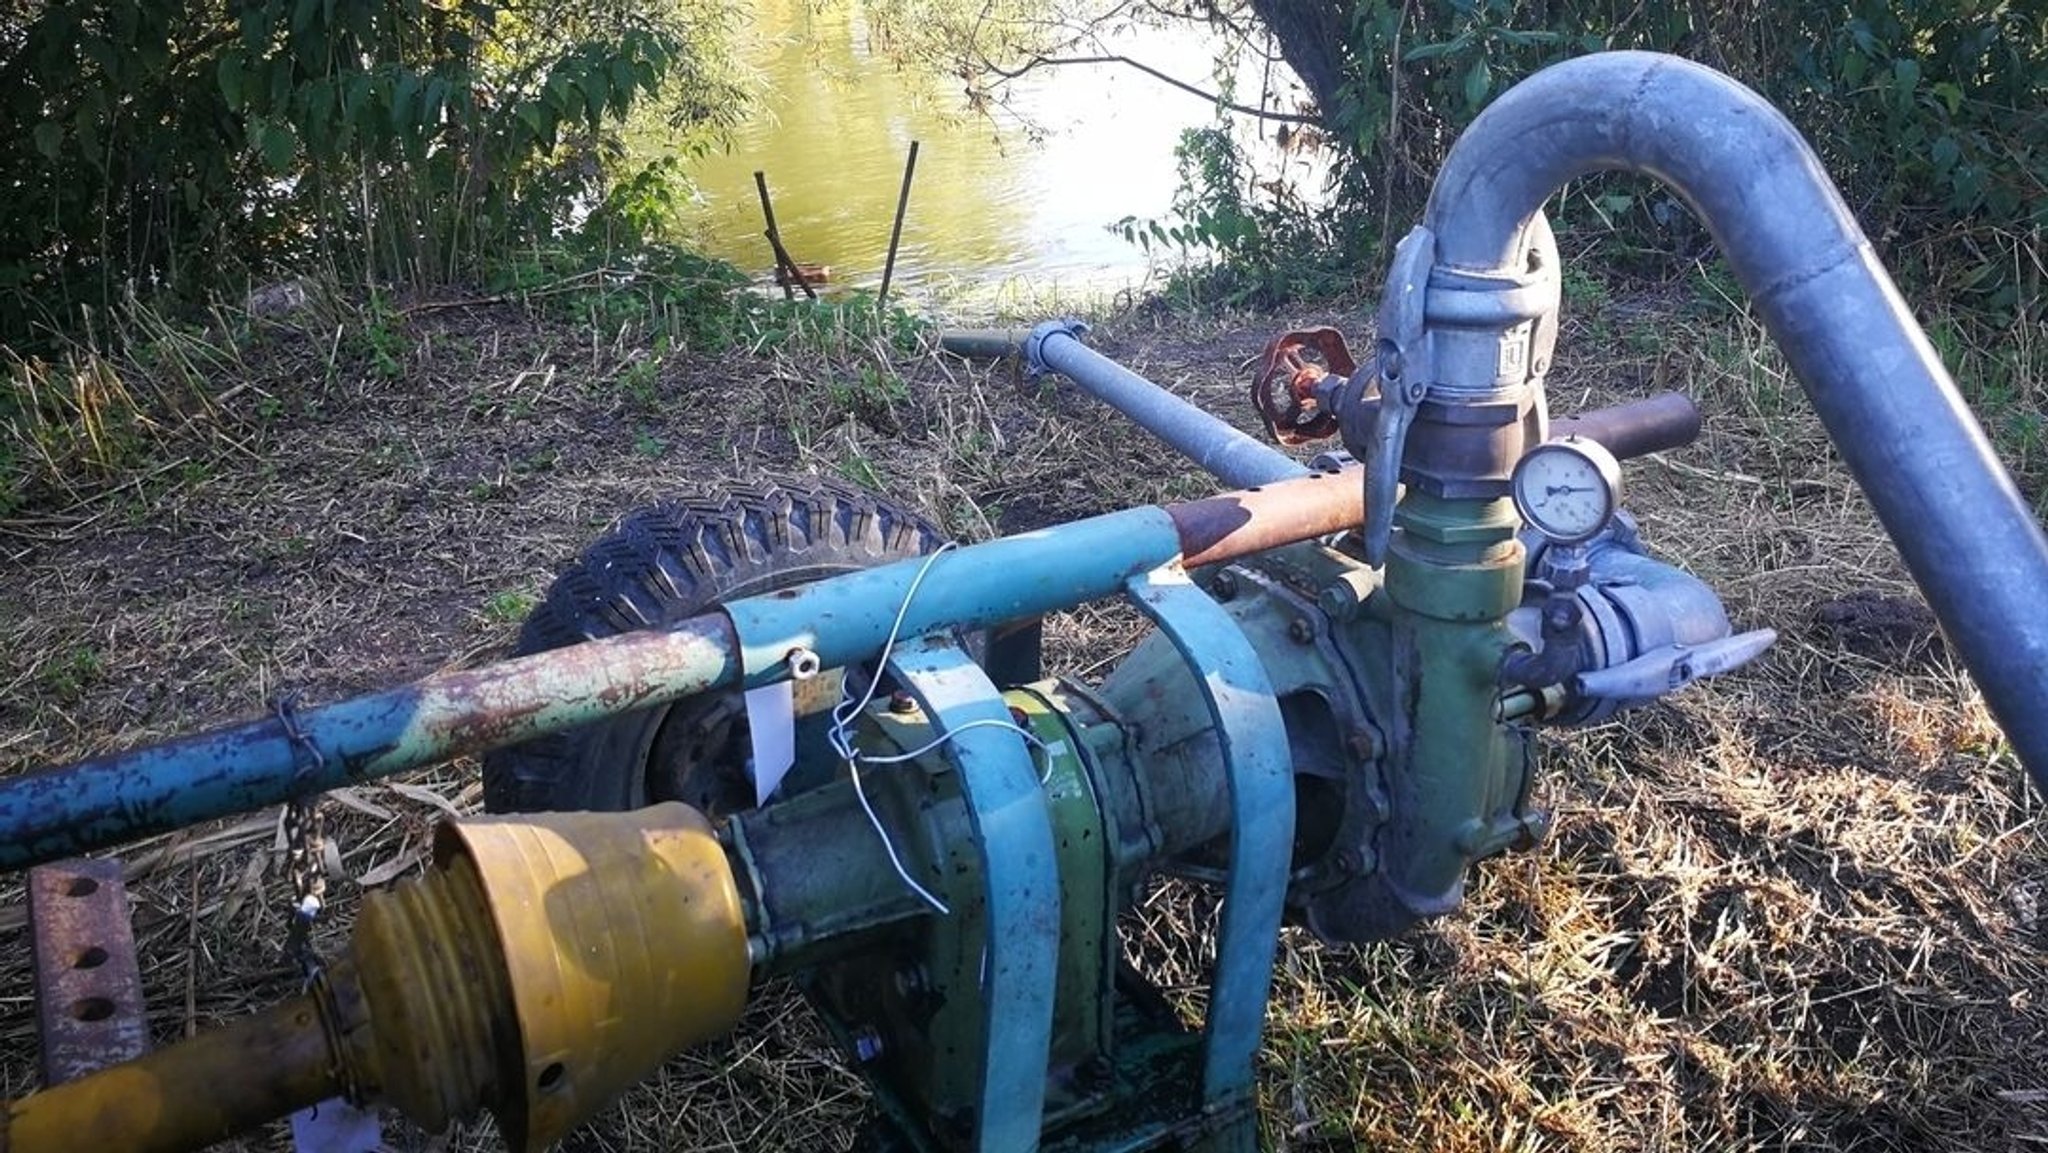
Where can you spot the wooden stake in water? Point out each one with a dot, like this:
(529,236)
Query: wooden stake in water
(787,269)
(787,273)
(896,232)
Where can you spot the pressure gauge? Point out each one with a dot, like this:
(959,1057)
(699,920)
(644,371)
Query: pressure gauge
(1568,489)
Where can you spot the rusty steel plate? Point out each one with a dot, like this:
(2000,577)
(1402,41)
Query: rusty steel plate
(88,985)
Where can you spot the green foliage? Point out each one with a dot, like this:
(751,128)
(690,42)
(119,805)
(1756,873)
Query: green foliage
(1263,242)
(641,382)
(834,327)
(870,394)
(68,421)
(1931,114)
(68,675)
(692,301)
(508,606)
(170,141)
(379,337)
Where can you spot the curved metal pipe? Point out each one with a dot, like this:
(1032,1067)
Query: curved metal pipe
(1894,413)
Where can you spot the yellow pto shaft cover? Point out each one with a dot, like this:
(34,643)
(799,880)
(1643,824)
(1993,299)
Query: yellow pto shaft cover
(624,941)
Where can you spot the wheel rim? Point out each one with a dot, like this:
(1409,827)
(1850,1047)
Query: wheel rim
(699,750)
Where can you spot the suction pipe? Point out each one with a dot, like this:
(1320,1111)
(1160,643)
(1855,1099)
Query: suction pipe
(1219,449)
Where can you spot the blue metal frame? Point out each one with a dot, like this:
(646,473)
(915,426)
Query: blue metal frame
(845,619)
(1020,876)
(1234,685)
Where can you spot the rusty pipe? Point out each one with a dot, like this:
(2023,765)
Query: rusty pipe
(1236,524)
(1657,423)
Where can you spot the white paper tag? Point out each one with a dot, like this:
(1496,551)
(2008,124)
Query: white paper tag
(771,725)
(335,1126)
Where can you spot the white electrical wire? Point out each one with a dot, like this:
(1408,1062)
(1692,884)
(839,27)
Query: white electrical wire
(847,710)
(984,723)
(842,717)
(888,846)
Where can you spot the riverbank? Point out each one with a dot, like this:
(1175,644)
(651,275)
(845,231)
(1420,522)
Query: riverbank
(1797,908)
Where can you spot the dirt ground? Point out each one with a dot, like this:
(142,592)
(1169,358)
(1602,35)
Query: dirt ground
(1796,908)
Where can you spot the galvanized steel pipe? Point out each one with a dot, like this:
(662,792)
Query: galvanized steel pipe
(1894,413)
(984,343)
(1217,447)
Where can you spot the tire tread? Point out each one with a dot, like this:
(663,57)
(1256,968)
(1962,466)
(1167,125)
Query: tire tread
(671,560)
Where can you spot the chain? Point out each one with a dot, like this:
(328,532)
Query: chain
(305,842)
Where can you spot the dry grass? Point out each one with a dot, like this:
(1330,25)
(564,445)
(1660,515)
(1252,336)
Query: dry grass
(1799,909)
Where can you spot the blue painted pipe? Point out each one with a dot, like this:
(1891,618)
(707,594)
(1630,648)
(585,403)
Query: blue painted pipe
(110,799)
(106,800)
(847,618)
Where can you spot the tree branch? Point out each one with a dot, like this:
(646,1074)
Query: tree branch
(1229,105)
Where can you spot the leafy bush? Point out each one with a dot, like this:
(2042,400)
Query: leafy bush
(171,142)
(1261,240)
(1932,115)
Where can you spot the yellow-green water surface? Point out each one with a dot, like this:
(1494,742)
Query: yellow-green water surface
(1021,200)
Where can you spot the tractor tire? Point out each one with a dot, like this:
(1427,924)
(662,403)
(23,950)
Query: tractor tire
(660,565)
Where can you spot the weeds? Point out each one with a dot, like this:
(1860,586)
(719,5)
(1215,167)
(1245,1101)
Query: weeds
(379,338)
(510,606)
(69,675)
(870,395)
(113,403)
(68,426)
(639,381)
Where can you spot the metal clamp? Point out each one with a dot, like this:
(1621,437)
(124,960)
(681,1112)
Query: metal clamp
(1020,873)
(1034,344)
(1239,694)
(1401,370)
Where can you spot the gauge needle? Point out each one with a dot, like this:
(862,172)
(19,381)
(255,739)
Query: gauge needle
(1555,489)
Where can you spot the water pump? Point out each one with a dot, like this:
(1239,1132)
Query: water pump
(1331,721)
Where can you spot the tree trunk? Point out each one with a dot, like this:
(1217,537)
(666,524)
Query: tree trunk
(1311,36)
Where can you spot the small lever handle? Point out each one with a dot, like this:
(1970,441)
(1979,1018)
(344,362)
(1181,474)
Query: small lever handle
(1402,371)
(1668,669)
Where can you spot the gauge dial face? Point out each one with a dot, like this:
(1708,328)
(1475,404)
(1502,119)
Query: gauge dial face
(1567,489)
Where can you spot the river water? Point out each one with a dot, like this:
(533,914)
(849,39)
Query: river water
(1021,202)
